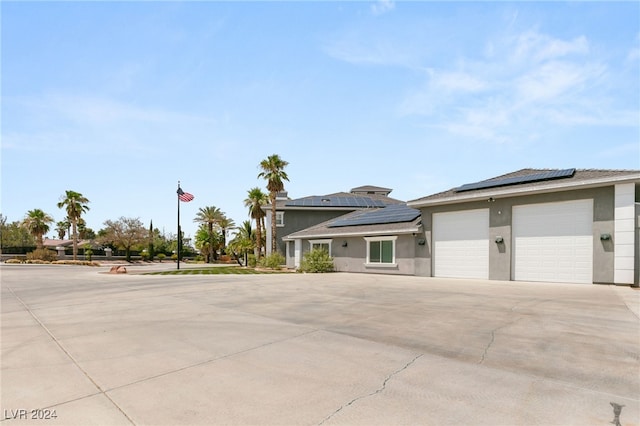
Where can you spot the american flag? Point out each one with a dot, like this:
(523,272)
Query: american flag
(184,196)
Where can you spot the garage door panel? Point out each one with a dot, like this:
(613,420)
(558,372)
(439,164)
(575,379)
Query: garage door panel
(553,242)
(461,244)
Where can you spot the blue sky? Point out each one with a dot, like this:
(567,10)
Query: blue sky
(120,100)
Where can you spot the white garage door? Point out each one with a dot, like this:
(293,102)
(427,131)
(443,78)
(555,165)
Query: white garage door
(553,242)
(461,244)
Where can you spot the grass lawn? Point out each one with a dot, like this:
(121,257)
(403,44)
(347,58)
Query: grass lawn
(221,270)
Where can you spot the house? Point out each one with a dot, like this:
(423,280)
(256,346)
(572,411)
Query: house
(293,215)
(571,225)
(376,240)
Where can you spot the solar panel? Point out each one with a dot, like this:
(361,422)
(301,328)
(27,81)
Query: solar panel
(333,201)
(396,213)
(515,180)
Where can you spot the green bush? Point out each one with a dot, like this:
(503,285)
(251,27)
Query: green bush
(161,256)
(316,260)
(273,261)
(251,260)
(42,254)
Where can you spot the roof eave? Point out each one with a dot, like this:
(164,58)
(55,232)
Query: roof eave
(516,192)
(400,231)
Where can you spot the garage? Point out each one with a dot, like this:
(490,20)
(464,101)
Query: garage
(461,244)
(553,242)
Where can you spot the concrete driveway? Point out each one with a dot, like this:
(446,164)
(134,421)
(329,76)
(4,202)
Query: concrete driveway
(328,349)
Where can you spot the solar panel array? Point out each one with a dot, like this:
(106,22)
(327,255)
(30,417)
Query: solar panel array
(515,180)
(333,201)
(396,213)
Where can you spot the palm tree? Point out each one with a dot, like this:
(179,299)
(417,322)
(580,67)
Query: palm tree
(75,204)
(243,241)
(255,200)
(225,223)
(273,172)
(61,228)
(37,223)
(210,216)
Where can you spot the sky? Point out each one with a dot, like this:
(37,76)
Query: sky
(121,100)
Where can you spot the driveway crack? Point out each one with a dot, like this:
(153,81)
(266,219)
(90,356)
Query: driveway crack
(375,392)
(493,338)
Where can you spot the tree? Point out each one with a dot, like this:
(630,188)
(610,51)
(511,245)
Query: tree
(205,243)
(209,216)
(124,233)
(243,241)
(151,248)
(75,205)
(255,200)
(61,228)
(14,235)
(273,172)
(225,224)
(37,223)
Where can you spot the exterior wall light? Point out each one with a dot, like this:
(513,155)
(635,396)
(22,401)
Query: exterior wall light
(499,240)
(421,241)
(605,237)
(344,243)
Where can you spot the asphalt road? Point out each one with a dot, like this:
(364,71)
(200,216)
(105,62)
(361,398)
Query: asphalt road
(83,347)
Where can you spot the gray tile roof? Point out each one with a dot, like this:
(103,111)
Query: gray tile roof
(338,201)
(582,178)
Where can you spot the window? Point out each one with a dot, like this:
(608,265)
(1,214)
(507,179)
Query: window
(320,244)
(279,218)
(381,250)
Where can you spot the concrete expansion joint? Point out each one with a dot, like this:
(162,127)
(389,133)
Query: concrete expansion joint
(377,391)
(616,289)
(69,355)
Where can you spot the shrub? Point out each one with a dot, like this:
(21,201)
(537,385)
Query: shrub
(251,261)
(273,261)
(143,255)
(76,262)
(316,260)
(161,256)
(42,254)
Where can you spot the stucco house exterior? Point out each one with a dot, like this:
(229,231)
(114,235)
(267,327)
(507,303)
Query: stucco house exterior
(293,215)
(574,226)
(379,240)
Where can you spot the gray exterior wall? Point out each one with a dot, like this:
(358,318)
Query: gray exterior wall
(500,216)
(352,258)
(297,220)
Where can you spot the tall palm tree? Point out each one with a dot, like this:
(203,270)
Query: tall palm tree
(75,205)
(210,216)
(254,201)
(37,223)
(273,172)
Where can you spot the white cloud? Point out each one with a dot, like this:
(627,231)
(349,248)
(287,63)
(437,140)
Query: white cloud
(536,47)
(522,85)
(634,52)
(552,80)
(457,81)
(382,7)
(59,121)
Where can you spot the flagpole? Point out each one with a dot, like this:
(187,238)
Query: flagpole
(179,238)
